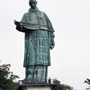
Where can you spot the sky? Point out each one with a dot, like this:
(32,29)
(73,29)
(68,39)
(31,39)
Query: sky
(70,59)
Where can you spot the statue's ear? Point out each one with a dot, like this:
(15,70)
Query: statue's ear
(36,2)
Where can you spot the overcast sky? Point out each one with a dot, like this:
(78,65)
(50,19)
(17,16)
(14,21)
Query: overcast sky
(71,56)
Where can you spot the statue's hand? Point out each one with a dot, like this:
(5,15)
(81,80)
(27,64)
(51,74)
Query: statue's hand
(16,23)
(52,46)
(18,26)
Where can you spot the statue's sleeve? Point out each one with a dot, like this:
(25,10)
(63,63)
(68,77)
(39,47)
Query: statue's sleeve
(20,27)
(51,33)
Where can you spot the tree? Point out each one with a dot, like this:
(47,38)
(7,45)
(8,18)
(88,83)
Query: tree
(87,81)
(60,86)
(6,77)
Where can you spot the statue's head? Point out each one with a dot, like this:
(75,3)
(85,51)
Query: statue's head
(33,3)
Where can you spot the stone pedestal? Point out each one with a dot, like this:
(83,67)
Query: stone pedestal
(36,87)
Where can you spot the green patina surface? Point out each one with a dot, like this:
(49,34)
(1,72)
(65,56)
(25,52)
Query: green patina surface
(39,38)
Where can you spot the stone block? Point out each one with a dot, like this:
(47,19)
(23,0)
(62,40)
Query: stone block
(37,88)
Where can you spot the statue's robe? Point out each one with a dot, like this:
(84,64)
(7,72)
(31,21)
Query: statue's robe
(38,38)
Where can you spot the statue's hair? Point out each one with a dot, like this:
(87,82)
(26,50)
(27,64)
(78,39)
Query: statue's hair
(32,0)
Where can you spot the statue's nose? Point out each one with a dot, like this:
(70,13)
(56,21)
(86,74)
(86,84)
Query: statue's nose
(33,4)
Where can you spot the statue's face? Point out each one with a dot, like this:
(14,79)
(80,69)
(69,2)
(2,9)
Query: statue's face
(33,4)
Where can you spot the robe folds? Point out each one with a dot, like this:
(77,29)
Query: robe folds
(37,48)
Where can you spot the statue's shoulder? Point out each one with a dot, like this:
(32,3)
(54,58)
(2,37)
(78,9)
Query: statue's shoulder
(26,13)
(42,13)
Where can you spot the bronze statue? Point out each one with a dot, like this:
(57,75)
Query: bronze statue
(39,39)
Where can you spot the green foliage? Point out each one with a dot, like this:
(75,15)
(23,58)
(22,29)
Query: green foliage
(6,77)
(60,86)
(87,81)
(66,87)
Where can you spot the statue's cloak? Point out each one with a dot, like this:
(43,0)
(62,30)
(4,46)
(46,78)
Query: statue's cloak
(35,19)
(37,38)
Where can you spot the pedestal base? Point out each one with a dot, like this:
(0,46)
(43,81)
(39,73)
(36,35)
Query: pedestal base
(36,87)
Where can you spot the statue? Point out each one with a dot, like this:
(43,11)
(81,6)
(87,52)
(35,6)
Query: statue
(39,39)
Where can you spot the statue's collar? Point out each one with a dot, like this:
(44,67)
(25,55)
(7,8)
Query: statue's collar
(33,10)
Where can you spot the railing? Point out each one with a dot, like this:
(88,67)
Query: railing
(49,81)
